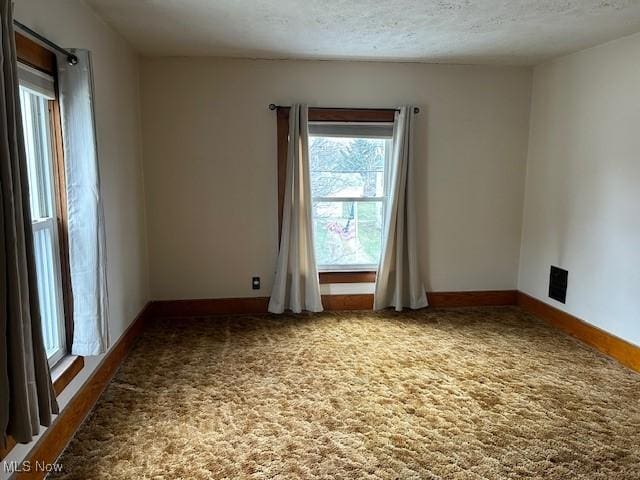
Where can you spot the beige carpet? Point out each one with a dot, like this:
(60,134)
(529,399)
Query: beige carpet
(455,394)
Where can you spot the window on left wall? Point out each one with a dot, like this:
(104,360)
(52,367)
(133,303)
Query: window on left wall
(41,128)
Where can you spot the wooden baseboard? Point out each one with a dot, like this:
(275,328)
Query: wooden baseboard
(624,352)
(482,298)
(58,435)
(257,305)
(206,307)
(247,306)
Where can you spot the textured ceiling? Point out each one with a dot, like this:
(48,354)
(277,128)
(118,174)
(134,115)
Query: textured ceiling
(452,31)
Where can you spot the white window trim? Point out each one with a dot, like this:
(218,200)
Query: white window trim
(383,130)
(36,81)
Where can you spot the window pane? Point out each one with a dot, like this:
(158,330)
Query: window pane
(348,233)
(37,139)
(347,167)
(46,274)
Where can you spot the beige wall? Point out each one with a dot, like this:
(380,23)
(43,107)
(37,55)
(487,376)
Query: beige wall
(117,106)
(210,165)
(582,205)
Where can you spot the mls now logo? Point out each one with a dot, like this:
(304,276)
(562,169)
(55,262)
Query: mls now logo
(28,466)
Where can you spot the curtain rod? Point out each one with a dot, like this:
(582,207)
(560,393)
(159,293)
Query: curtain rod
(273,106)
(71,58)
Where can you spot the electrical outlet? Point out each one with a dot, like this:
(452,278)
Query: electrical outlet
(255,283)
(558,281)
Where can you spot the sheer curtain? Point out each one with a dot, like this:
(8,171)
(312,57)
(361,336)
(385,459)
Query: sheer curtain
(398,282)
(296,285)
(87,249)
(27,399)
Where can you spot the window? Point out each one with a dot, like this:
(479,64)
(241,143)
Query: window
(38,103)
(349,153)
(349,186)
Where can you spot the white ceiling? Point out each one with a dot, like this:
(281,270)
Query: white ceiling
(514,32)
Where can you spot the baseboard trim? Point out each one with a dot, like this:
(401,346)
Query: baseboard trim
(624,352)
(258,305)
(482,298)
(59,434)
(209,306)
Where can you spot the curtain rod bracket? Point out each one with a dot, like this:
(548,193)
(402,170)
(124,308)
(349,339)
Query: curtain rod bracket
(273,106)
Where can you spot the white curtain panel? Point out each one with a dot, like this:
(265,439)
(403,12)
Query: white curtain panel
(398,282)
(296,284)
(87,249)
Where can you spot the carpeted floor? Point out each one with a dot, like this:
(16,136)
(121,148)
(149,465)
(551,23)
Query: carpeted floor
(451,394)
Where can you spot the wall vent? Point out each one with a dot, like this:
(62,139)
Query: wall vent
(558,284)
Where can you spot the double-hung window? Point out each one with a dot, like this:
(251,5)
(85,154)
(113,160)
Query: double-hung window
(349,185)
(40,127)
(349,155)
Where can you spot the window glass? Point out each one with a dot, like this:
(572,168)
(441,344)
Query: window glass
(348,185)
(37,139)
(36,120)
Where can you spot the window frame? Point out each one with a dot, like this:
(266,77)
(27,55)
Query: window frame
(34,55)
(380,131)
(333,115)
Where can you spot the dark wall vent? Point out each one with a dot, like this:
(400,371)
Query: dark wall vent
(558,284)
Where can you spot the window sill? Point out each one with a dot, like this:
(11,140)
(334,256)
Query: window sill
(65,371)
(347,277)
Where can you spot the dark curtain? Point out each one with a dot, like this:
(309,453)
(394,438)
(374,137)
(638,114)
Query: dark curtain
(27,399)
